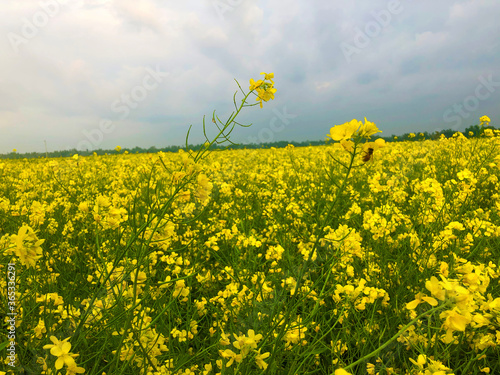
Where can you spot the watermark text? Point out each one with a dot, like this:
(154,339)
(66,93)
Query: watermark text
(11,321)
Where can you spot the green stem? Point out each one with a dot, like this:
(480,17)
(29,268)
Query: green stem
(399,333)
(295,298)
(325,220)
(230,120)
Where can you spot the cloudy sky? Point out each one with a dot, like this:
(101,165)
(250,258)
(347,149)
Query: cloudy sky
(92,74)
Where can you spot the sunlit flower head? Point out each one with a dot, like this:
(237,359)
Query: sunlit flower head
(27,246)
(341,371)
(265,90)
(347,145)
(61,350)
(255,84)
(368,129)
(488,132)
(352,129)
(344,131)
(268,76)
(485,120)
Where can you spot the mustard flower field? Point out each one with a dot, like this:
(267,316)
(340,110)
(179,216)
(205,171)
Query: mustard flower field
(256,261)
(358,257)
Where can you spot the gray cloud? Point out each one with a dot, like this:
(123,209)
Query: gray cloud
(63,73)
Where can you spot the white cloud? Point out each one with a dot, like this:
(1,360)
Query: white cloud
(465,10)
(429,41)
(142,14)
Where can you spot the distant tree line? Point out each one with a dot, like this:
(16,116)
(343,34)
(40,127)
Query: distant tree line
(153,149)
(471,131)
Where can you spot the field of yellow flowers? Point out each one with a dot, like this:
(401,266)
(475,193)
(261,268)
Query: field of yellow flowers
(358,257)
(272,261)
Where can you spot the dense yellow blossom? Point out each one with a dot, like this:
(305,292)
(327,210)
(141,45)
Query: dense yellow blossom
(262,260)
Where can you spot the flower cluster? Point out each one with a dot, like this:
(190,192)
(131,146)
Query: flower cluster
(484,120)
(430,366)
(61,350)
(245,345)
(353,132)
(26,246)
(264,87)
(353,129)
(464,299)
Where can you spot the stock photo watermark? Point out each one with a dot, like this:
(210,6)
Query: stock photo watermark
(372,29)
(267,134)
(123,106)
(31,26)
(460,111)
(11,321)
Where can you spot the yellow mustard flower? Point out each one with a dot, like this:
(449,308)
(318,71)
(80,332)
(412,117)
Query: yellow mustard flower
(265,90)
(208,369)
(73,369)
(255,84)
(268,76)
(345,131)
(259,359)
(454,321)
(435,288)
(40,329)
(368,129)
(61,349)
(353,128)
(419,297)
(420,362)
(346,144)
(232,356)
(488,132)
(484,120)
(27,246)
(265,93)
